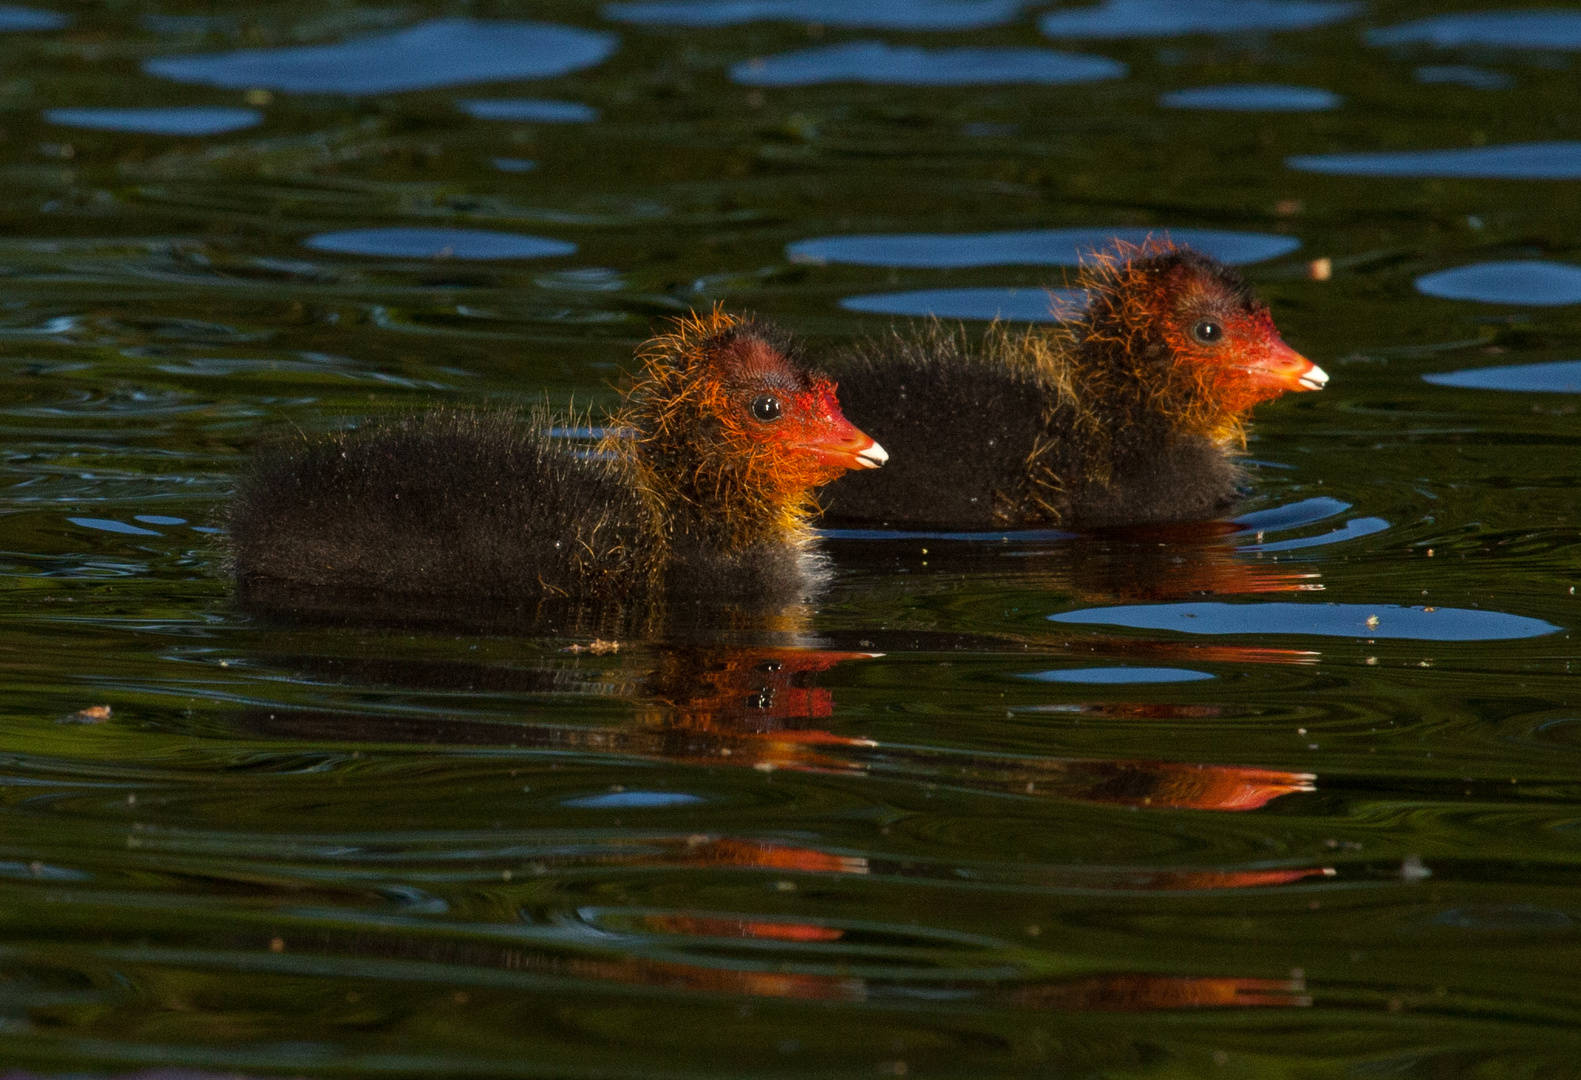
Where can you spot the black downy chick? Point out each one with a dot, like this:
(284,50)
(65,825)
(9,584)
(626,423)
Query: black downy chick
(1129,412)
(704,485)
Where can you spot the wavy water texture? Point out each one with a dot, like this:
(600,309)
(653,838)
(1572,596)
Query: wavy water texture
(1290,792)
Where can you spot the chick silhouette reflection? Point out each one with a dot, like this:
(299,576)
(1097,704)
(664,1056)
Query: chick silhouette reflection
(786,957)
(746,706)
(1163,563)
(1134,563)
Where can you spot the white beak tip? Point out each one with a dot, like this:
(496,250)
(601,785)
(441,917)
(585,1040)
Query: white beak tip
(1315,379)
(873,457)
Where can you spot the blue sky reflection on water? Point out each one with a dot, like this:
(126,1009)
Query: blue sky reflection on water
(1253,97)
(1543,29)
(872,14)
(1560,377)
(530,110)
(634,800)
(1463,75)
(1515,161)
(14,18)
(1522,281)
(1166,18)
(440,52)
(905,65)
(170,120)
(418,243)
(110,525)
(1424,623)
(1033,247)
(1033,305)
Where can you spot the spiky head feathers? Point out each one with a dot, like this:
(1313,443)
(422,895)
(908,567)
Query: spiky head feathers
(1186,333)
(726,421)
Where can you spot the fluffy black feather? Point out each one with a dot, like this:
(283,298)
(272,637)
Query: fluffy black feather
(446,503)
(455,509)
(924,399)
(990,435)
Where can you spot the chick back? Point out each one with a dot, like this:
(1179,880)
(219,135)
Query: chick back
(450,503)
(1005,434)
(960,431)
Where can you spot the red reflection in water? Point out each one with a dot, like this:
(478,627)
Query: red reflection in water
(1230,879)
(1186,652)
(1148,993)
(725,851)
(1107,992)
(1174,562)
(740,705)
(757,929)
(1184,785)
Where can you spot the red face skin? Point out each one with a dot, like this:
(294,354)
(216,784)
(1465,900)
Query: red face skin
(740,431)
(1219,351)
(795,422)
(1233,344)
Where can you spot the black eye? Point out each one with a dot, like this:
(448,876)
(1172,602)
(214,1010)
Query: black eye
(766,407)
(1207,331)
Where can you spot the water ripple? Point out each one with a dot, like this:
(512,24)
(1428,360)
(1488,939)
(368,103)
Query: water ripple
(441,52)
(877,62)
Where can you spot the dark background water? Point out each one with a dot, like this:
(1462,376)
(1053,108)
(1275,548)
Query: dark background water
(1291,796)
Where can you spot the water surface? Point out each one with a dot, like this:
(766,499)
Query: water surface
(1144,803)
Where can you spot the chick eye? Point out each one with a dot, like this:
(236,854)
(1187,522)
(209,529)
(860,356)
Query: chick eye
(1207,331)
(766,407)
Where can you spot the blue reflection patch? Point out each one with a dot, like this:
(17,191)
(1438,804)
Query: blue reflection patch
(1356,527)
(1326,620)
(1464,75)
(441,52)
(1035,247)
(1304,512)
(158,519)
(634,800)
(175,120)
(106,525)
(13,17)
(536,110)
(1117,676)
(439,243)
(1517,29)
(898,65)
(1515,161)
(1543,284)
(41,872)
(1563,377)
(1012,305)
(877,14)
(1164,18)
(1253,97)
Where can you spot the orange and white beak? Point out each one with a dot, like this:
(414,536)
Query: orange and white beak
(843,445)
(1280,369)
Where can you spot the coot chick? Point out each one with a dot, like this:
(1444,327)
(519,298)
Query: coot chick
(1128,412)
(704,485)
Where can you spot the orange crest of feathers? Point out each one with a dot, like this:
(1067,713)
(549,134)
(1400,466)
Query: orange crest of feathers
(1132,312)
(686,411)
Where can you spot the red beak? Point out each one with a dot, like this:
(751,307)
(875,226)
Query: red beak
(1280,368)
(843,445)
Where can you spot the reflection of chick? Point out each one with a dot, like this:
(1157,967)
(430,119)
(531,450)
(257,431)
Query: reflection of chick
(747,707)
(705,486)
(1126,413)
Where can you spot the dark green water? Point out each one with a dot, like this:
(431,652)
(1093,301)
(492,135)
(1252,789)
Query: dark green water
(883,834)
